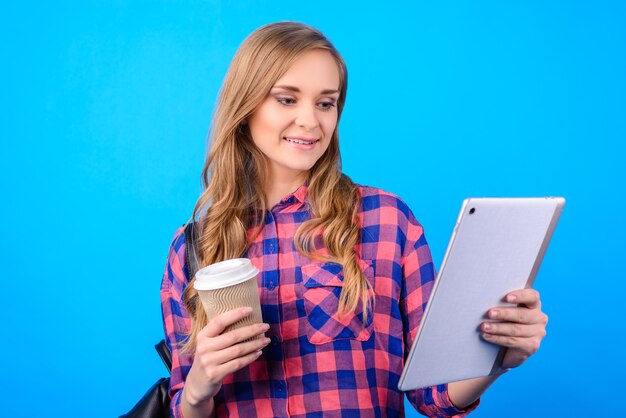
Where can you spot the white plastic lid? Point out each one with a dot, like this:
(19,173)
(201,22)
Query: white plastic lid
(225,273)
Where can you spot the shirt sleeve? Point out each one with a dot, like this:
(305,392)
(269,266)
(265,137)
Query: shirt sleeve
(176,321)
(418,278)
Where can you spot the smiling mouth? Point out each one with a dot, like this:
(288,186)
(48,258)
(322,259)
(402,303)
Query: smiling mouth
(300,141)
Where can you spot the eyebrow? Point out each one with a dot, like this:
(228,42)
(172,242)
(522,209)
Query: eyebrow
(297,90)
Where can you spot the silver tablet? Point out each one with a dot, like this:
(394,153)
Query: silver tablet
(497,246)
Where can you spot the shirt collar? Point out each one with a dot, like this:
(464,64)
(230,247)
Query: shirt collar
(298,196)
(294,201)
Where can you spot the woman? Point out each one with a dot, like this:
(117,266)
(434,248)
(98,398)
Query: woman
(345,269)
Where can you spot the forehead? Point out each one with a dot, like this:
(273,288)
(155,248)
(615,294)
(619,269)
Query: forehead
(313,70)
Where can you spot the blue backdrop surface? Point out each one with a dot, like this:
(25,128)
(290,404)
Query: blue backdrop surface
(105,110)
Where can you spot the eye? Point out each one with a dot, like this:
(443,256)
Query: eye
(326,106)
(285,100)
(288,101)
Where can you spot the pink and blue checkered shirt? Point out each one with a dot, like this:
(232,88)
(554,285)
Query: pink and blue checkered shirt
(318,365)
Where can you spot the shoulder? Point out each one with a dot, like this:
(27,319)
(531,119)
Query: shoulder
(175,275)
(386,217)
(177,247)
(385,204)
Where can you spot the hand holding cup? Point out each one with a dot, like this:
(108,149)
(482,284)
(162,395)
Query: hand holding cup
(220,353)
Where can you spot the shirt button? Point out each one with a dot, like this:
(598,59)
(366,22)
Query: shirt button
(271,285)
(279,386)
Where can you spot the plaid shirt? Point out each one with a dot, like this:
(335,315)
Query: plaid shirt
(317,364)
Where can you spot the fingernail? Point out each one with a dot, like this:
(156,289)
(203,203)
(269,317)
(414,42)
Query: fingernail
(511,298)
(487,336)
(264,327)
(246,311)
(486,327)
(259,352)
(494,314)
(266,340)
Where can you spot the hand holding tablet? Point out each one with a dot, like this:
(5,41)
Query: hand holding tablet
(520,328)
(495,251)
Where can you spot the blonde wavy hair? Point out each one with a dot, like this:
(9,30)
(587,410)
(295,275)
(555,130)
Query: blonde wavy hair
(234,173)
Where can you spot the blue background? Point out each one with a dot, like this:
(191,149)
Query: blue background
(105,110)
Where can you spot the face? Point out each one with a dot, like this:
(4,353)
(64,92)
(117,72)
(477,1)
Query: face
(294,125)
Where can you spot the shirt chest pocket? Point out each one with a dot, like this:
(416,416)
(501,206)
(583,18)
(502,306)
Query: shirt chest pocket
(322,286)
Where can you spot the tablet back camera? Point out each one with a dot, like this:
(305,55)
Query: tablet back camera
(472,210)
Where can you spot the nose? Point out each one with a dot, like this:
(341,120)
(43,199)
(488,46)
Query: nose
(307,118)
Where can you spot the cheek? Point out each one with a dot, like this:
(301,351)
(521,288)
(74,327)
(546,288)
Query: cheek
(266,123)
(277,119)
(329,124)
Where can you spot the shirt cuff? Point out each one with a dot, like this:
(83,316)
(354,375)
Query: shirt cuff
(175,409)
(445,405)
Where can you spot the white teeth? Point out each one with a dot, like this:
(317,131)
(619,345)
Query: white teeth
(299,141)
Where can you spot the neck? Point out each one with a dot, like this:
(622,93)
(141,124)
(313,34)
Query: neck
(278,186)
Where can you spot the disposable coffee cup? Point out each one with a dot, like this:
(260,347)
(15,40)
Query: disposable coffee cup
(228,285)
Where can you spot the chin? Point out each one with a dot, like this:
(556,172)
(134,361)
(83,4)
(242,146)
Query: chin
(299,167)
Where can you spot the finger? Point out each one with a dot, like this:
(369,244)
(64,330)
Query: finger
(239,350)
(236,364)
(218,324)
(527,297)
(230,338)
(519,315)
(510,329)
(527,346)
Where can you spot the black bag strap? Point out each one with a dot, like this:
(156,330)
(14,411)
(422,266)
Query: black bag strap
(165,354)
(191,244)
